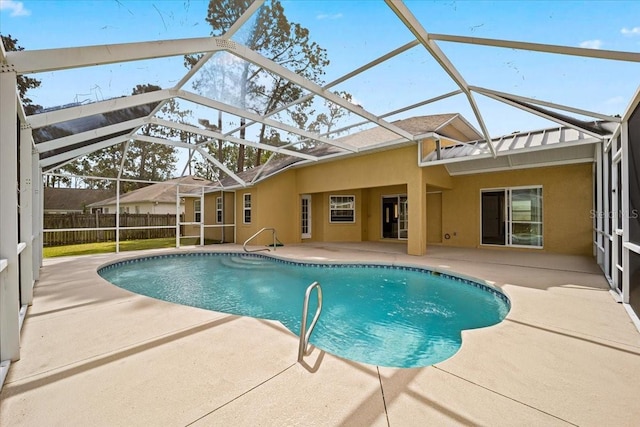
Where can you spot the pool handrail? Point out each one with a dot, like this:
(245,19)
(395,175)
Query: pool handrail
(303,347)
(275,240)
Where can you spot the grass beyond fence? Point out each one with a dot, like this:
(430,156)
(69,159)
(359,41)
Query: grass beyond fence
(97,220)
(107,247)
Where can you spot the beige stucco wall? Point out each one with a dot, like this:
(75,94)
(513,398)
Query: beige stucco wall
(275,203)
(567,194)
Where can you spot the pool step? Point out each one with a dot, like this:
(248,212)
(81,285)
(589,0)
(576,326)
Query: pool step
(246,262)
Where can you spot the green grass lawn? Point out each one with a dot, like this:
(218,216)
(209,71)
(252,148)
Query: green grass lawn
(125,245)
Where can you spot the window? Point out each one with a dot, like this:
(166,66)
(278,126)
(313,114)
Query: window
(219,210)
(342,208)
(247,208)
(512,217)
(197,210)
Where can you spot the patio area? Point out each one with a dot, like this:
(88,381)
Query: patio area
(94,354)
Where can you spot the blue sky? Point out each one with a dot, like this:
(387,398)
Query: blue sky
(356,32)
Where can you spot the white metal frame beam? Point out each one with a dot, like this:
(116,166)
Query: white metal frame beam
(45,60)
(65,114)
(202,100)
(217,135)
(257,59)
(77,138)
(410,21)
(593,114)
(540,114)
(58,158)
(339,80)
(162,141)
(539,47)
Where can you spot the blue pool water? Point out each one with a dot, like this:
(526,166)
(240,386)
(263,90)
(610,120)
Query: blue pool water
(382,315)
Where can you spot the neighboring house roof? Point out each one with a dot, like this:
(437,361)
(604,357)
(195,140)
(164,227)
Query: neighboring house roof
(449,125)
(160,192)
(72,199)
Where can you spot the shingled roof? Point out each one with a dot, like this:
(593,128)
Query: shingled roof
(159,192)
(72,199)
(366,140)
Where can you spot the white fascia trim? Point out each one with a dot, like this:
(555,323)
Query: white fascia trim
(527,166)
(586,141)
(207,102)
(251,56)
(217,135)
(65,114)
(40,61)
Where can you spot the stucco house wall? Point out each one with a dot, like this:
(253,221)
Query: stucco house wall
(567,193)
(438,204)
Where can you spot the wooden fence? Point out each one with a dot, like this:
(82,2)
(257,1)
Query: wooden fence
(102,220)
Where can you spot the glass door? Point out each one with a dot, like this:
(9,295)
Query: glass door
(305,212)
(403,218)
(395,217)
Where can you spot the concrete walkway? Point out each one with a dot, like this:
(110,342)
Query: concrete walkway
(93,354)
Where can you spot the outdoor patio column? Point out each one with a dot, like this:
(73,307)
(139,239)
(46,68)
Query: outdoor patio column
(36,214)
(26,216)
(417,200)
(9,303)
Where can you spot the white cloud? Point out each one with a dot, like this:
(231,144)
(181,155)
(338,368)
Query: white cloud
(635,31)
(591,44)
(16,7)
(327,16)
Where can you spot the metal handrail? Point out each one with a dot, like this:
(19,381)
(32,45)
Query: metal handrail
(304,333)
(275,240)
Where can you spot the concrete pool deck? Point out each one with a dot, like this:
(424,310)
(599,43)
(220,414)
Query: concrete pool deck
(93,354)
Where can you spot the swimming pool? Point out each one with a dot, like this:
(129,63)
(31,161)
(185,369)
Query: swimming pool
(379,314)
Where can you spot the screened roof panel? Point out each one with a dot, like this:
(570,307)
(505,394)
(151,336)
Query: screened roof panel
(439,72)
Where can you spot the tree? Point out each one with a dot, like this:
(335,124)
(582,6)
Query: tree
(24,83)
(144,161)
(256,89)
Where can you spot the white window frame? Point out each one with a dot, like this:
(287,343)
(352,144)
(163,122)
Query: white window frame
(508,214)
(219,211)
(333,207)
(246,208)
(197,210)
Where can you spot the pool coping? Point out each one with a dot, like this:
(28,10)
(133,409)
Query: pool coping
(566,354)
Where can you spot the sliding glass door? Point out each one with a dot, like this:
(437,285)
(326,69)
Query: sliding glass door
(512,217)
